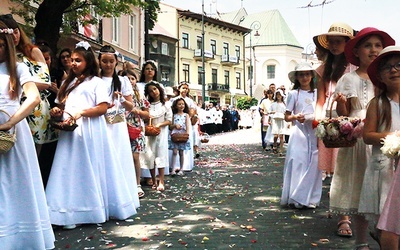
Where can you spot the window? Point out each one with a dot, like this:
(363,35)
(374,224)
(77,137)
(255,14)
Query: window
(165,72)
(185,40)
(225,49)
(164,48)
(186,72)
(238,80)
(214,75)
(200,75)
(213,45)
(199,43)
(237,51)
(226,77)
(115,30)
(132,33)
(271,72)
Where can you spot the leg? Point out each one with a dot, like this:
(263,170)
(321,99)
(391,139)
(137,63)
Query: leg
(153,178)
(138,173)
(161,177)
(281,142)
(275,141)
(361,226)
(389,241)
(173,161)
(181,162)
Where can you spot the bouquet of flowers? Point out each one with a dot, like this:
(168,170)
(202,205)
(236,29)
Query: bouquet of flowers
(339,132)
(391,145)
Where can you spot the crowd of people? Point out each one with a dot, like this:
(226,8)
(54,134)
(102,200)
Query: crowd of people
(358,78)
(120,131)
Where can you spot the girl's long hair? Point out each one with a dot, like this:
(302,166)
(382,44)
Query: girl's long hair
(116,82)
(296,84)
(174,106)
(334,73)
(11,61)
(142,76)
(92,69)
(160,89)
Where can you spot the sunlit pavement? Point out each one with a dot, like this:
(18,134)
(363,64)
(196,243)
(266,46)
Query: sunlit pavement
(229,201)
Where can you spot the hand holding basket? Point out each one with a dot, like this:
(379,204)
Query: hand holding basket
(151,130)
(66,125)
(7,139)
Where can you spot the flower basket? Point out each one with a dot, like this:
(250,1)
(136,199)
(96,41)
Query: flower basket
(180,137)
(7,139)
(151,130)
(204,138)
(339,132)
(57,123)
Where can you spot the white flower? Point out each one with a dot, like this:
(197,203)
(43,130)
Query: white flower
(320,132)
(83,44)
(391,145)
(332,130)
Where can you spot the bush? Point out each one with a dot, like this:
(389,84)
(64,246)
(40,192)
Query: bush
(246,102)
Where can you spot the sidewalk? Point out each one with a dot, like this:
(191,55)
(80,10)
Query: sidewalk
(229,201)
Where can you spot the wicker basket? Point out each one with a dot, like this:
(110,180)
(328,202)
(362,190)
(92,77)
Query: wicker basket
(7,140)
(150,130)
(180,137)
(57,123)
(204,138)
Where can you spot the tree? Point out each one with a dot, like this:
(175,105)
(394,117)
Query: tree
(246,102)
(52,16)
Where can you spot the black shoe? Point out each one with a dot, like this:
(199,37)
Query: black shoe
(197,155)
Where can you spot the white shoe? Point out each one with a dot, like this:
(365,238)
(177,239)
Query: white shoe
(312,206)
(69,227)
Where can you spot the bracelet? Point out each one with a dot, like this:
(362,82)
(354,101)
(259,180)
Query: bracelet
(122,99)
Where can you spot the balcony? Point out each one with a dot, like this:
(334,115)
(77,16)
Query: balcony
(229,60)
(208,55)
(218,87)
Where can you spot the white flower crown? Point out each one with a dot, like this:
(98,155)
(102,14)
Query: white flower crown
(6,31)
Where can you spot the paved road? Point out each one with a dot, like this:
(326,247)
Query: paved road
(229,201)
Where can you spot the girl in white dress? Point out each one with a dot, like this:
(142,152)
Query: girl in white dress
(302,180)
(120,93)
(156,155)
(354,91)
(86,183)
(278,109)
(25,222)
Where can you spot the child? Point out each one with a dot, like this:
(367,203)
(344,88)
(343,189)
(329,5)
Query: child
(25,222)
(120,94)
(333,67)
(135,118)
(180,124)
(384,111)
(86,183)
(156,155)
(302,182)
(264,109)
(278,109)
(353,92)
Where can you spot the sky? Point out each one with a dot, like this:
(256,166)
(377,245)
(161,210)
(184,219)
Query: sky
(308,22)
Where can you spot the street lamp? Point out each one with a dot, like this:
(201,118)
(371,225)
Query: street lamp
(254,26)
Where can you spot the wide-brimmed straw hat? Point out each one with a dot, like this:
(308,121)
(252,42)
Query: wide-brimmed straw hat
(336,29)
(303,66)
(373,69)
(350,45)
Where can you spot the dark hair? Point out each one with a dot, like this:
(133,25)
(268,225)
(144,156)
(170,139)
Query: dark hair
(59,63)
(160,89)
(312,82)
(92,69)
(175,108)
(132,73)
(333,74)
(116,82)
(10,60)
(276,97)
(180,85)
(152,63)
(46,49)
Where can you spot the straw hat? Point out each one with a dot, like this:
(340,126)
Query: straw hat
(350,45)
(336,29)
(373,69)
(303,66)
(169,91)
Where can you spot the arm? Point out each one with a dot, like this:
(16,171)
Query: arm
(289,117)
(32,99)
(370,133)
(343,105)
(321,98)
(98,110)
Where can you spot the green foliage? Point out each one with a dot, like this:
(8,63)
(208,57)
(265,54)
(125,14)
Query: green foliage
(246,102)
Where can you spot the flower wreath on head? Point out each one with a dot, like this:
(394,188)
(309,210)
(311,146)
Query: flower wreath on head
(83,44)
(6,31)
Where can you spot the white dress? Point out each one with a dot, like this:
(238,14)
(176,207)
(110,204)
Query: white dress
(302,180)
(25,222)
(277,125)
(156,155)
(120,137)
(378,175)
(351,162)
(86,183)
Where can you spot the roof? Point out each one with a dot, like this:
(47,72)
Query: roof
(272,28)
(207,19)
(158,30)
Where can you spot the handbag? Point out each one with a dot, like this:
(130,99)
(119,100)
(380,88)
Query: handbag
(134,132)
(115,114)
(58,123)
(151,130)
(180,137)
